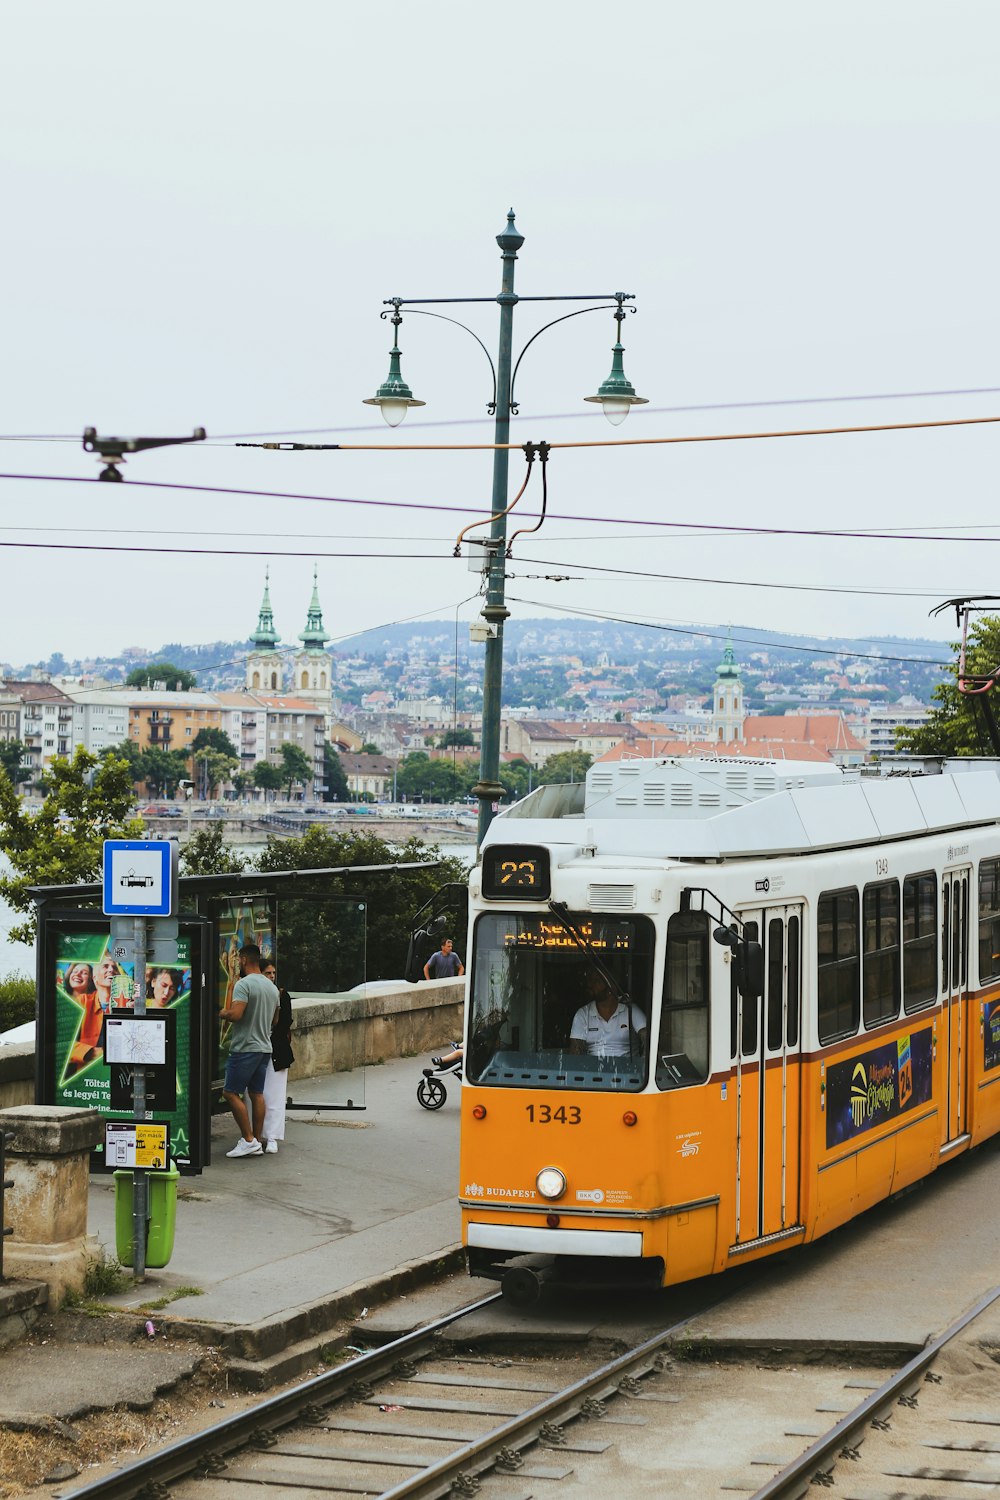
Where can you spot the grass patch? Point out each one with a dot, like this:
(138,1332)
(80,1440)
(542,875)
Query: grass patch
(102,1278)
(178,1291)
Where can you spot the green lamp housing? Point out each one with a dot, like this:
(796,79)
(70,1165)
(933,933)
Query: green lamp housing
(617,393)
(393,396)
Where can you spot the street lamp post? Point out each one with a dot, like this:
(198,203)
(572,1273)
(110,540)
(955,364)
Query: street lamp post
(394,398)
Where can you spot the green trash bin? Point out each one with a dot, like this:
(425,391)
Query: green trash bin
(161,1189)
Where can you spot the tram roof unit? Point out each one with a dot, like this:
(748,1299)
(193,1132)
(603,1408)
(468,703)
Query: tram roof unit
(729,807)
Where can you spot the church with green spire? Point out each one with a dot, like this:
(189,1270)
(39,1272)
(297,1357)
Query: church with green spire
(264,666)
(728,712)
(312,665)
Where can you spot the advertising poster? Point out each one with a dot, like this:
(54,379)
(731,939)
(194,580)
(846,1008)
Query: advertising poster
(867,1090)
(991,1034)
(237,923)
(90,984)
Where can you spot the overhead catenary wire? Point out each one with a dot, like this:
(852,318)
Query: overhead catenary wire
(638,442)
(845,534)
(447,556)
(557,416)
(712,635)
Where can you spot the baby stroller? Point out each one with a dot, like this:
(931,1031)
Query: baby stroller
(431,1092)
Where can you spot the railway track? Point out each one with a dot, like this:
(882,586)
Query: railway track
(930,1447)
(419,1417)
(360,1429)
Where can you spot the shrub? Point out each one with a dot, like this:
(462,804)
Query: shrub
(17,1001)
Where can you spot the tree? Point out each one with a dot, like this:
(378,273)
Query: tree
(87,799)
(212,767)
(324,943)
(515,776)
(295,766)
(267,778)
(162,671)
(953,727)
(11,752)
(459,737)
(214,739)
(207,853)
(430,780)
(334,775)
(161,770)
(568,765)
(369,749)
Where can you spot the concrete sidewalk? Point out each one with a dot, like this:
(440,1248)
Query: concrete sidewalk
(288,1252)
(277,1245)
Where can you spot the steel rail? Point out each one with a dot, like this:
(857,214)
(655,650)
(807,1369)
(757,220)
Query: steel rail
(190,1454)
(817,1462)
(455,1472)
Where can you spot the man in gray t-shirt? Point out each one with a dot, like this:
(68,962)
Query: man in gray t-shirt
(252,1010)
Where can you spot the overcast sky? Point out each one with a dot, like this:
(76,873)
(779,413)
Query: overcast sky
(205,205)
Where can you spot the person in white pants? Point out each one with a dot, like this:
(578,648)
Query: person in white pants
(282,1057)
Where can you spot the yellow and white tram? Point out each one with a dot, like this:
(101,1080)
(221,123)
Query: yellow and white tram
(798,968)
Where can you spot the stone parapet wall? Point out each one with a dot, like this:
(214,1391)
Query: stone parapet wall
(17,1075)
(332,1033)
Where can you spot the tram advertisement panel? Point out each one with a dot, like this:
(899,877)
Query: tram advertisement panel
(991,1034)
(89,984)
(867,1090)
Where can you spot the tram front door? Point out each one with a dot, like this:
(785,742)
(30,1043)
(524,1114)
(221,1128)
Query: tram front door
(954,999)
(766,1045)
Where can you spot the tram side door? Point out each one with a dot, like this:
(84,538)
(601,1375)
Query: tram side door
(767,1038)
(954,997)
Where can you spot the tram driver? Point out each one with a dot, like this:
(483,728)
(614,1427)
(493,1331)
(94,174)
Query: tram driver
(604,1026)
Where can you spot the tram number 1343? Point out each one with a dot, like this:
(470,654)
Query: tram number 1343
(543,1114)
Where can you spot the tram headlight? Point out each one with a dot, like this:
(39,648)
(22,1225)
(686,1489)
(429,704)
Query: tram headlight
(550,1182)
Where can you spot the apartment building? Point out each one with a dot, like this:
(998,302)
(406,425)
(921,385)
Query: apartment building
(46,721)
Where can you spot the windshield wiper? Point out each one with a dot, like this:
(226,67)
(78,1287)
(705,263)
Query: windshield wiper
(560,911)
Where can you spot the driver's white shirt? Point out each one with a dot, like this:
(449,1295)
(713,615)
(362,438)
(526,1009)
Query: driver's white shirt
(606,1038)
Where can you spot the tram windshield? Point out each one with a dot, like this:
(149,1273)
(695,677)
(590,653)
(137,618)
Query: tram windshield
(543,1013)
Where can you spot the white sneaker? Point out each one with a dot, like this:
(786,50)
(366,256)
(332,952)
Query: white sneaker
(271,1149)
(245,1148)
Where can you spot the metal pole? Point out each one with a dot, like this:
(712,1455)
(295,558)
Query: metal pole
(488,789)
(139,1180)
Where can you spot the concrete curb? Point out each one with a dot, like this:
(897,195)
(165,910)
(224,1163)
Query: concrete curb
(278,1348)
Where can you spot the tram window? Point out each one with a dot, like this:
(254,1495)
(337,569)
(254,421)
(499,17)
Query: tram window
(919,937)
(945,945)
(792,1014)
(989,919)
(775,976)
(748,1007)
(881,960)
(838,967)
(682,1050)
(531,976)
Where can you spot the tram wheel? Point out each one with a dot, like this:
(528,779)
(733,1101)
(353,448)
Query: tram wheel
(431,1093)
(521,1287)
